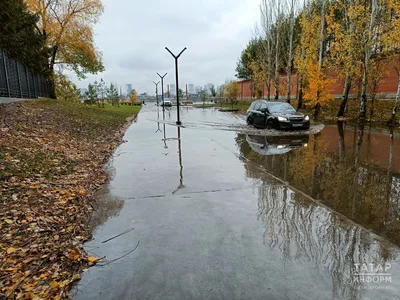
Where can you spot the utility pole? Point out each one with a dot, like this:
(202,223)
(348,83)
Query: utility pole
(162,91)
(156,84)
(176,57)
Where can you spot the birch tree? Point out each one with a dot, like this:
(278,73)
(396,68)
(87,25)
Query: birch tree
(391,40)
(345,49)
(369,46)
(267,42)
(291,7)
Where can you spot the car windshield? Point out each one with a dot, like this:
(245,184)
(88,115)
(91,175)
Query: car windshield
(280,108)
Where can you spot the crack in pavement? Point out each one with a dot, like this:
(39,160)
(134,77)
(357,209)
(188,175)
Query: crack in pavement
(191,193)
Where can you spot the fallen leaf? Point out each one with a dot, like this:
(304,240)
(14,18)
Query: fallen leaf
(11,250)
(92,259)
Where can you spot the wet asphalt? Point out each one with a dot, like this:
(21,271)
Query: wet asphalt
(204,226)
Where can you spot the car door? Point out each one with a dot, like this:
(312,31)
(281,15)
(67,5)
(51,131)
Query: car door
(255,114)
(259,121)
(263,114)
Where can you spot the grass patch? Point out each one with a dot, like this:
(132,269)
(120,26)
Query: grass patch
(82,120)
(238,106)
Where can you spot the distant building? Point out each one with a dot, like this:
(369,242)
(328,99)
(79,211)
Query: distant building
(128,88)
(172,89)
(220,89)
(198,89)
(191,88)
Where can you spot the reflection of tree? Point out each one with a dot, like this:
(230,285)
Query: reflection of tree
(105,207)
(305,231)
(348,184)
(340,126)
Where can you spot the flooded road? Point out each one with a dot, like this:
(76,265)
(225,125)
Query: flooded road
(217,214)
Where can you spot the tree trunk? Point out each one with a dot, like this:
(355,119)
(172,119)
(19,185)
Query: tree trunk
(316,111)
(276,81)
(371,113)
(269,87)
(396,103)
(52,75)
(322,34)
(368,50)
(300,96)
(289,64)
(345,97)
(289,78)
(340,127)
(321,51)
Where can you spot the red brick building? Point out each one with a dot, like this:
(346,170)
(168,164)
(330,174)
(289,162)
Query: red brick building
(385,89)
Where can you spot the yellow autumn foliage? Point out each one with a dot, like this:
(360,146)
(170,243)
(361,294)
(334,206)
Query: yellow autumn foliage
(317,90)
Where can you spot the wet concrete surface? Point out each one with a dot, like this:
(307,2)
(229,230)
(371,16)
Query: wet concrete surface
(224,215)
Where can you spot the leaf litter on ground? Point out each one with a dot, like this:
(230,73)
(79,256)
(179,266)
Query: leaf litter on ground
(52,156)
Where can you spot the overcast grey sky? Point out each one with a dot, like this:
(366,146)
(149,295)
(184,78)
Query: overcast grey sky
(132,35)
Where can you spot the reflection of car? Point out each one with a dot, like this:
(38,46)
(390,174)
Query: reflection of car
(278,115)
(167,102)
(270,145)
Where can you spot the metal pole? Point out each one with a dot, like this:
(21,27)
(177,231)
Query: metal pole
(34,86)
(178,122)
(19,79)
(156,90)
(6,73)
(27,81)
(162,91)
(176,57)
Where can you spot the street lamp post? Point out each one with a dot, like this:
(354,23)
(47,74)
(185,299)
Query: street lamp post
(162,91)
(178,122)
(156,84)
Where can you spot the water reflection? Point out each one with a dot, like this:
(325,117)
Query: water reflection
(158,123)
(180,159)
(179,139)
(270,145)
(105,206)
(343,167)
(303,230)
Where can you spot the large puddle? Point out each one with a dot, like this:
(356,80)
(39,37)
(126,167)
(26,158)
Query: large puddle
(203,212)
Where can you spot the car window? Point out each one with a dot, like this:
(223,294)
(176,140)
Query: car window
(251,106)
(257,106)
(263,105)
(278,107)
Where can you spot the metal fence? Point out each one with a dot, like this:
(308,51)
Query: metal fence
(17,82)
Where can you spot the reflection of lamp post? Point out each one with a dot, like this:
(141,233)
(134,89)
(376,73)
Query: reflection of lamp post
(162,91)
(156,84)
(158,123)
(180,159)
(178,122)
(165,138)
(180,162)
(165,133)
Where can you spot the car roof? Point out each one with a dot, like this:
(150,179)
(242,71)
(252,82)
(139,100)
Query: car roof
(276,102)
(270,102)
